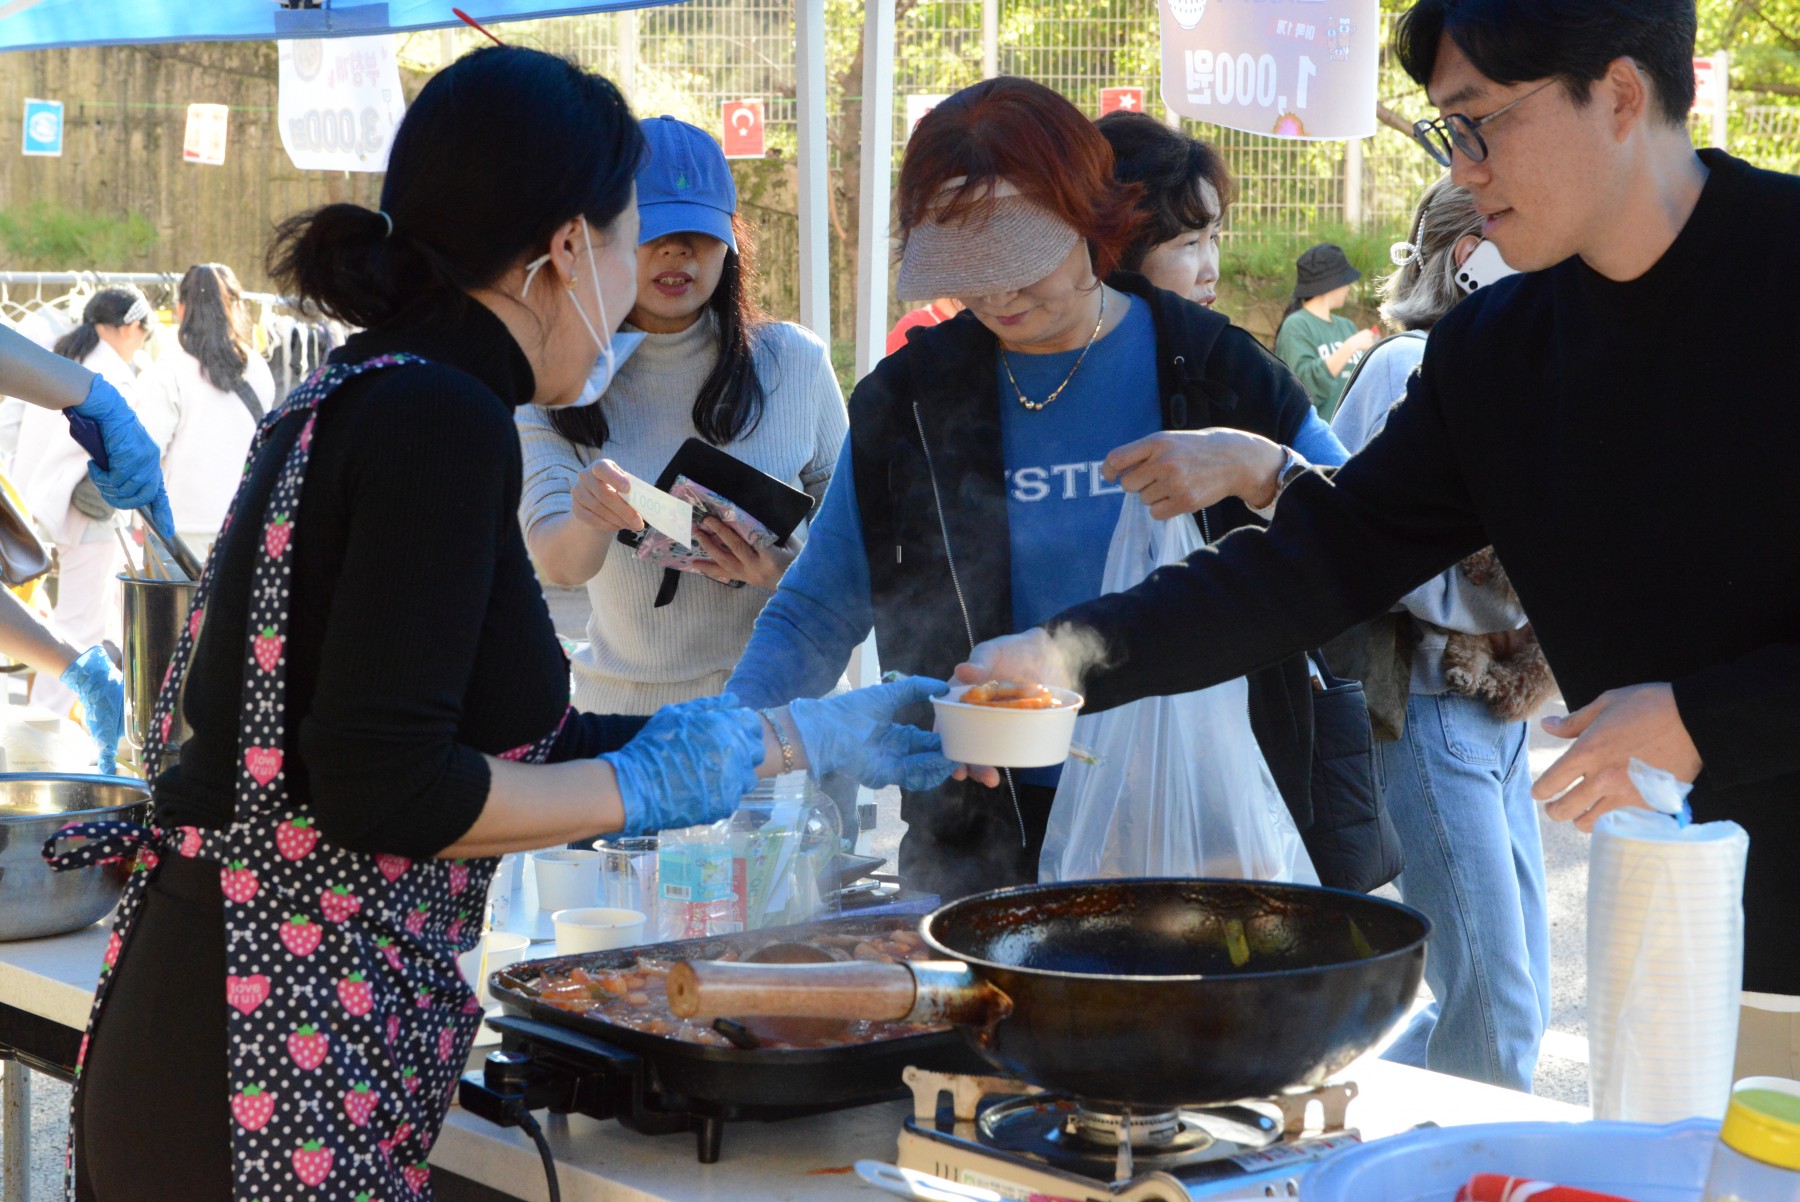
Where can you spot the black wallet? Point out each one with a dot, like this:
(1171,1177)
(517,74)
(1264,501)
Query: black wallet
(778,505)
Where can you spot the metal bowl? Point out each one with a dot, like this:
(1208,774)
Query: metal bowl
(35,901)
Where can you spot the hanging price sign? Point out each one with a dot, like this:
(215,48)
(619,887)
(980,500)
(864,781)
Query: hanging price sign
(1299,70)
(339,102)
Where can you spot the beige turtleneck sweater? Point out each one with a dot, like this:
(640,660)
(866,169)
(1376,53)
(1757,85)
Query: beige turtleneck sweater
(640,658)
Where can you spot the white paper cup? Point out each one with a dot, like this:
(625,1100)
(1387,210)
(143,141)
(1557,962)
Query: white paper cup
(566,879)
(996,737)
(596,929)
(497,950)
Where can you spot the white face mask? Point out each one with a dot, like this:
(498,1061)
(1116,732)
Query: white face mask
(613,350)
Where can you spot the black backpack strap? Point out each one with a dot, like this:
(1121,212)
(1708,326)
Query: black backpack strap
(247,395)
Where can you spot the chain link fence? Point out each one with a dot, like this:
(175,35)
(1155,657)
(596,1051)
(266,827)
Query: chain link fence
(686,59)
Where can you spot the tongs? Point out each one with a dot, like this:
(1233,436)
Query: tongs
(86,432)
(170,546)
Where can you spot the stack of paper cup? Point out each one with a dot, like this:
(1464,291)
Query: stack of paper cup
(1665,945)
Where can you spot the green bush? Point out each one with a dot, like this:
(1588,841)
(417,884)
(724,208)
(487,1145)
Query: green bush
(44,236)
(1257,273)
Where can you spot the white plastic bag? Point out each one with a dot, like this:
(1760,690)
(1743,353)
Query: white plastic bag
(1176,786)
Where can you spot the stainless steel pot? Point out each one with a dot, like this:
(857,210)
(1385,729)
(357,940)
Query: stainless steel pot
(34,901)
(155,613)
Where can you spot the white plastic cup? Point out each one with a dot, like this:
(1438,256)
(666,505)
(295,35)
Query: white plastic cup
(567,879)
(596,929)
(497,950)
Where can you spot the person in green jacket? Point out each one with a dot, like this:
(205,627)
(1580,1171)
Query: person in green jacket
(1321,348)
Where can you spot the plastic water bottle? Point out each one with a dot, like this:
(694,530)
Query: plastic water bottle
(1758,1157)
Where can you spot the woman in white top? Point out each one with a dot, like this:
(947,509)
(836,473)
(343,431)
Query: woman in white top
(50,471)
(709,366)
(203,399)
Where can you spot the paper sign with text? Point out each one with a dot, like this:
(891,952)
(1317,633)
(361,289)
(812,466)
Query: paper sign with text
(1121,100)
(44,128)
(918,104)
(743,132)
(339,102)
(1300,69)
(205,140)
(671,515)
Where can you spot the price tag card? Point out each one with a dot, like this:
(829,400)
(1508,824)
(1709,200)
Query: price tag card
(671,515)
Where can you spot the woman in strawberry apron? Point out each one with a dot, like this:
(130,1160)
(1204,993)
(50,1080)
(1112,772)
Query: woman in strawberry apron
(377,697)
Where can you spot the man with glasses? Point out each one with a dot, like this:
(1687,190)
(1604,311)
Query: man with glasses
(1611,422)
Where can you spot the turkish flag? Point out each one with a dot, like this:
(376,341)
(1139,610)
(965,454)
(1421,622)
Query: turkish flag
(1130,100)
(743,123)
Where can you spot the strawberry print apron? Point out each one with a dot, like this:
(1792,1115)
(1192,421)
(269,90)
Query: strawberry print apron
(349,1022)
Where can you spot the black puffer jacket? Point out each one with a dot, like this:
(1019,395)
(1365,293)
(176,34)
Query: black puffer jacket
(926,424)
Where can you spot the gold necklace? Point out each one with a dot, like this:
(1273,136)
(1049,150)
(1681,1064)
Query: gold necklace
(1034,406)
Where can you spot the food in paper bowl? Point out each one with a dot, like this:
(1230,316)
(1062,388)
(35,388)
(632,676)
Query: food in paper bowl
(1007,724)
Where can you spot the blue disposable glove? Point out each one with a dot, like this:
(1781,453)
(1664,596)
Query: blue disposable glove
(96,680)
(690,765)
(855,733)
(132,475)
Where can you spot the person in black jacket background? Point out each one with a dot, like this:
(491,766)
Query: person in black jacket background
(987,457)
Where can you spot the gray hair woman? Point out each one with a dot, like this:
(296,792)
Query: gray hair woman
(1452,675)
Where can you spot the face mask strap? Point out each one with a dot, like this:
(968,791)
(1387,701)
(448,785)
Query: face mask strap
(531,270)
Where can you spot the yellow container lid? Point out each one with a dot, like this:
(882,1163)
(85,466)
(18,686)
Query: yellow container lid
(1763,1120)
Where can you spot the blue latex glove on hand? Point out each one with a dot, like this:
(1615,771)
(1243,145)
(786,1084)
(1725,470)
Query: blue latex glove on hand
(690,765)
(855,733)
(96,680)
(132,477)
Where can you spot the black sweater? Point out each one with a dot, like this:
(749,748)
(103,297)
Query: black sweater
(1619,444)
(419,636)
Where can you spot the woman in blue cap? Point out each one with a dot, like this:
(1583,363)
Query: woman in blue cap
(703,362)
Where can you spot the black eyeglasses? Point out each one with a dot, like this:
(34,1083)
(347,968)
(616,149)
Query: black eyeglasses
(1461,132)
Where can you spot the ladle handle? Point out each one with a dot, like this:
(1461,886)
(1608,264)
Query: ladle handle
(920,992)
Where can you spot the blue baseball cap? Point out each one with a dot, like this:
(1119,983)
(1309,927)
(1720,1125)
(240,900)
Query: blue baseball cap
(684,184)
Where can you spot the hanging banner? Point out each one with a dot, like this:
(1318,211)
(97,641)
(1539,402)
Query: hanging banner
(339,102)
(1300,70)
(1121,100)
(918,104)
(205,140)
(44,127)
(743,126)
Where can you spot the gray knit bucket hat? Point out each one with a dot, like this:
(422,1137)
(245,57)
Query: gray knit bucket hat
(1006,242)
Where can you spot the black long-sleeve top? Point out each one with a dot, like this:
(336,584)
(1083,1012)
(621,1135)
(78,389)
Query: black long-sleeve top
(1621,445)
(419,638)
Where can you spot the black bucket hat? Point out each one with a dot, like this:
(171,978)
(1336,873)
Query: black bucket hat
(1321,268)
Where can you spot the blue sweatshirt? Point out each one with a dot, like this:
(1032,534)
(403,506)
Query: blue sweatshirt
(1060,513)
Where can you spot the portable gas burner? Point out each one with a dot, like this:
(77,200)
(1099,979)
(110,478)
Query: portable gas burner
(1027,1144)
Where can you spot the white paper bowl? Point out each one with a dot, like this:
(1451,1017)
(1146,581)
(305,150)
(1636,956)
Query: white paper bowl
(596,929)
(997,737)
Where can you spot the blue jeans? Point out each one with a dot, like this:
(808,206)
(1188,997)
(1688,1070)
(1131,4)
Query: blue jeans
(1458,787)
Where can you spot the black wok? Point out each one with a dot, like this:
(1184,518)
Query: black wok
(1132,992)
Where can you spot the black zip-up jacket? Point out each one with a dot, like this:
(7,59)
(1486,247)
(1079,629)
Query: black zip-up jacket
(930,606)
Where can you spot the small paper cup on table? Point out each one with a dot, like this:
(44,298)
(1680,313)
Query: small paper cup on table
(999,737)
(566,878)
(596,929)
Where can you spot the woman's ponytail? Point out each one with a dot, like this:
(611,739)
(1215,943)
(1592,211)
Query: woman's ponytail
(338,258)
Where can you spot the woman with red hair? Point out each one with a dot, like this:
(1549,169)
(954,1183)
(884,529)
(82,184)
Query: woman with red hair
(988,457)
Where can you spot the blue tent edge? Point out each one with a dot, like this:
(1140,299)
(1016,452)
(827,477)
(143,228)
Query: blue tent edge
(305,25)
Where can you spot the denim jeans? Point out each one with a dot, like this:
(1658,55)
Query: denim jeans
(1458,786)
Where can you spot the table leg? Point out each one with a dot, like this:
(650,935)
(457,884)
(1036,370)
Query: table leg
(15,1115)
